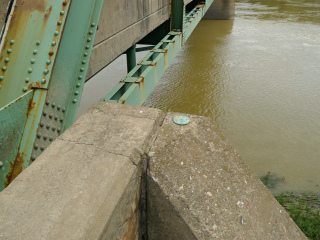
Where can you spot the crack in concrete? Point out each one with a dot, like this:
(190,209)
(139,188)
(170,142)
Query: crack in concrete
(93,145)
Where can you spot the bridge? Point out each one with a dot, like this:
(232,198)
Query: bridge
(107,176)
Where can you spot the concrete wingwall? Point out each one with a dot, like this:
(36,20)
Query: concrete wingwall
(127,172)
(118,30)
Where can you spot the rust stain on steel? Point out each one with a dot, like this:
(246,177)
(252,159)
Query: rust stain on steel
(47,14)
(16,168)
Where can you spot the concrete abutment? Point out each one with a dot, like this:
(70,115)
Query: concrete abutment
(126,172)
(221,10)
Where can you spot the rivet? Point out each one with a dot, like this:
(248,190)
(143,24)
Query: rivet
(83,61)
(87,46)
(27,80)
(63,109)
(39,135)
(64,3)
(56,33)
(51,53)
(59,23)
(85,54)
(80,77)
(47,102)
(78,85)
(59,130)
(36,146)
(37,43)
(33,61)
(30,70)
(50,138)
(53,105)
(42,148)
(89,40)
(76,93)
(41,124)
(24,89)
(50,115)
(93,24)
(35,52)
(7,60)
(43,81)
(1,78)
(53,43)
(58,107)
(44,113)
(9,50)
(62,13)
(12,42)
(48,62)
(61,119)
(45,137)
(90,32)
(56,117)
(81,69)
(47,126)
(4,68)
(1,163)
(33,157)
(53,128)
(46,71)
(74,100)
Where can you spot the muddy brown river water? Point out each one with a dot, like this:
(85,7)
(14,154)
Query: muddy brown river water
(258,78)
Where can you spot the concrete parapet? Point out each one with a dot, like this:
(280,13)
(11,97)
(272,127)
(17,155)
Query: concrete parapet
(86,185)
(221,10)
(93,183)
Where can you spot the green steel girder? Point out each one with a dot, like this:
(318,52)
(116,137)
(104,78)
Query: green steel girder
(141,80)
(44,57)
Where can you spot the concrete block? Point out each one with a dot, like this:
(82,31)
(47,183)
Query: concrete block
(79,188)
(199,188)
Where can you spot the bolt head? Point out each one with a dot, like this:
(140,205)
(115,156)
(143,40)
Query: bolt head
(9,50)
(80,77)
(74,100)
(43,81)
(27,80)
(90,32)
(30,70)
(56,33)
(12,42)
(53,43)
(93,24)
(78,85)
(33,61)
(37,43)
(48,62)
(81,69)
(76,93)
(1,163)
(24,89)
(1,78)
(59,23)
(62,13)
(7,60)
(4,68)
(35,52)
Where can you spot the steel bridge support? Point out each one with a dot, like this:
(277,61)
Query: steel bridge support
(45,48)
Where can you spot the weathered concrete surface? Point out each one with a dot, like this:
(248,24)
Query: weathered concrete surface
(86,185)
(3,12)
(91,183)
(122,24)
(199,188)
(221,10)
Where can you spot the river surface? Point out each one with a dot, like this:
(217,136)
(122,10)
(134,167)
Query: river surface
(258,78)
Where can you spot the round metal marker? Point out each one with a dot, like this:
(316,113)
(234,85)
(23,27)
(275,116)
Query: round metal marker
(181,120)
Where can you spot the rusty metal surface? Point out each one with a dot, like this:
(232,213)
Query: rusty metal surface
(29,46)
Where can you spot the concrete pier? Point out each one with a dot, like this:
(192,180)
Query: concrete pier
(221,10)
(126,172)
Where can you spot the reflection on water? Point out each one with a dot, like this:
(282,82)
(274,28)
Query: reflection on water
(258,78)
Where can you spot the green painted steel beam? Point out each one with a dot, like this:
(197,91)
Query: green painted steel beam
(131,57)
(137,85)
(44,58)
